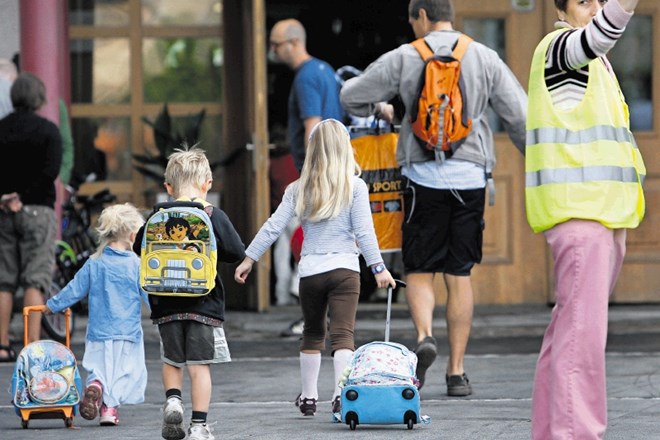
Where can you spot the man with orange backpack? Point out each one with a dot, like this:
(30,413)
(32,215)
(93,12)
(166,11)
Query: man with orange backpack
(444,198)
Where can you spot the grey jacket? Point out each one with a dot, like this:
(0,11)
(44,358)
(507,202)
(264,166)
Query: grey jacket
(488,82)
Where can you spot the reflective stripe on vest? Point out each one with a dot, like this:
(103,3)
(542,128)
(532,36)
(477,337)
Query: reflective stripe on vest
(547,135)
(581,162)
(580,175)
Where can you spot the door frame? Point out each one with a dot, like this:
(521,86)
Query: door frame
(246,128)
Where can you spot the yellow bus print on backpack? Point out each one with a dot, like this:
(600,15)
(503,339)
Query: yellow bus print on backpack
(179,252)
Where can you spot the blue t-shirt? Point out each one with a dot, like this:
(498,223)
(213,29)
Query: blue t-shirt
(315,92)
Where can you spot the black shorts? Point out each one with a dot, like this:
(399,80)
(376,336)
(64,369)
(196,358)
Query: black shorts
(191,342)
(441,233)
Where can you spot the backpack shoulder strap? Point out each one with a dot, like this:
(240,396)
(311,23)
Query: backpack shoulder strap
(423,48)
(461,46)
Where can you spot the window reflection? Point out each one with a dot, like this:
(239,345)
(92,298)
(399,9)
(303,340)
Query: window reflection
(632,60)
(98,12)
(101,71)
(490,32)
(210,134)
(172,66)
(178,12)
(487,31)
(102,148)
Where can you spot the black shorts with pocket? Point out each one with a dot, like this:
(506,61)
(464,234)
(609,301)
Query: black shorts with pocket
(440,232)
(190,342)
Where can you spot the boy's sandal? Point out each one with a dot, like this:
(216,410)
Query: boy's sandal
(10,356)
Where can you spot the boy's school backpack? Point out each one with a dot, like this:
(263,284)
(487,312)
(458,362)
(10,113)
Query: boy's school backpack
(439,115)
(179,252)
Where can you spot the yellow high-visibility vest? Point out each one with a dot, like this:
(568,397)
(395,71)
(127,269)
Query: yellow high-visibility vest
(581,162)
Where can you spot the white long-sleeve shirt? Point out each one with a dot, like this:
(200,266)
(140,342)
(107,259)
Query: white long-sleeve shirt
(328,244)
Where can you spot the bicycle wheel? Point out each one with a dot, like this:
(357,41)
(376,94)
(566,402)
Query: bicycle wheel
(54,324)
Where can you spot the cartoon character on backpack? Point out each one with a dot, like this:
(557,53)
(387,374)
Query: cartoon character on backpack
(179,251)
(177,228)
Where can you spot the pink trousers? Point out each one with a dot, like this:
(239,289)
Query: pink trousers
(569,398)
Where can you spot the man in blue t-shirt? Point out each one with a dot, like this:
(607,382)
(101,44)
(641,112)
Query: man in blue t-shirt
(314,94)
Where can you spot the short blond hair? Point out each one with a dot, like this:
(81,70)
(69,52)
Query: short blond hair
(117,223)
(187,167)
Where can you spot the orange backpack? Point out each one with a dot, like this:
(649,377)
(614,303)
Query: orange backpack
(439,115)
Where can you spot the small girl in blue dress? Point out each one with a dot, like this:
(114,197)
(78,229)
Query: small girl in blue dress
(114,344)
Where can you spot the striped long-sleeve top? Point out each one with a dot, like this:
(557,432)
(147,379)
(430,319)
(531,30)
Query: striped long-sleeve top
(567,68)
(328,244)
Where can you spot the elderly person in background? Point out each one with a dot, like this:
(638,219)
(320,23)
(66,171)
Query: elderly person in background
(27,206)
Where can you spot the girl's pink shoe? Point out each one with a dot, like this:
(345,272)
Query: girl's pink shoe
(92,398)
(109,416)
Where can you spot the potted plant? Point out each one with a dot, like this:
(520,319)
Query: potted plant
(166,140)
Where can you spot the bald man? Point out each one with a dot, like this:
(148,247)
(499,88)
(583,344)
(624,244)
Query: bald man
(314,93)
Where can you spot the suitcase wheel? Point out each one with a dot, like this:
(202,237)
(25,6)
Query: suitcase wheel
(352,419)
(24,424)
(409,419)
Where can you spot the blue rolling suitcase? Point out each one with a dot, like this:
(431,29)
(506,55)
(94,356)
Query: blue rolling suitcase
(46,383)
(381,387)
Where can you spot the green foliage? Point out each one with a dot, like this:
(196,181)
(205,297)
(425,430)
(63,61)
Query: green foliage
(189,73)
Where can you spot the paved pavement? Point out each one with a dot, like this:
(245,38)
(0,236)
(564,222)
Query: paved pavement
(253,395)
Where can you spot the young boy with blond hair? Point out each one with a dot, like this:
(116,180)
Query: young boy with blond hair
(190,328)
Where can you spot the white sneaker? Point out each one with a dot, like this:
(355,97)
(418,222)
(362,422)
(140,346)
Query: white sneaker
(173,419)
(294,329)
(200,431)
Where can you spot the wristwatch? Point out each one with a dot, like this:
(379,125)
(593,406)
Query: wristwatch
(380,267)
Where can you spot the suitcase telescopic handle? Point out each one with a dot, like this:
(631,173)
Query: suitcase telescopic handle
(399,283)
(26,313)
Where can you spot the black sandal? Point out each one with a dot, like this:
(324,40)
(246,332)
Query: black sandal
(11,354)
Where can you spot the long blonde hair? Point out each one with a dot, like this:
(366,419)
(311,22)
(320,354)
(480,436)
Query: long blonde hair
(116,223)
(326,181)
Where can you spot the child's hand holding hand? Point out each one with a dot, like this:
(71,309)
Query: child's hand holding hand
(243,270)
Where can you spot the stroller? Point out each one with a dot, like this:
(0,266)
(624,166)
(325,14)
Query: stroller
(46,382)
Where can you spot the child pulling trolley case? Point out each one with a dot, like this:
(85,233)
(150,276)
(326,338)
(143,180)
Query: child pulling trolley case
(381,387)
(46,382)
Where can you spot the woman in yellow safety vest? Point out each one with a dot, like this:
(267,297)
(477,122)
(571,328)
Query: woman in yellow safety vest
(583,190)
